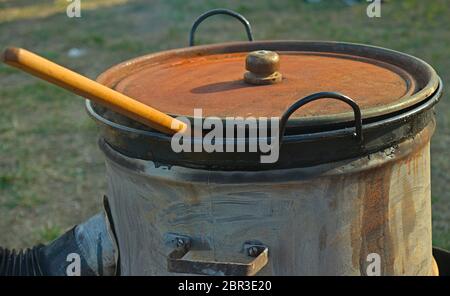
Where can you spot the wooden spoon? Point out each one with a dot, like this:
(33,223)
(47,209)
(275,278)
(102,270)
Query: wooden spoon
(85,87)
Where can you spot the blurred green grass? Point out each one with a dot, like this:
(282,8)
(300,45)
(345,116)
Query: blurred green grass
(51,172)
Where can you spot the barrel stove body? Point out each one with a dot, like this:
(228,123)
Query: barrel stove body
(349,194)
(322,220)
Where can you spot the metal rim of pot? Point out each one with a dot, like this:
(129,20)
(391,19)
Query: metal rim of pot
(426,76)
(378,135)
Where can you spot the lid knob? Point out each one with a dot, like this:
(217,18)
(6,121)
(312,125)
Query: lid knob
(262,67)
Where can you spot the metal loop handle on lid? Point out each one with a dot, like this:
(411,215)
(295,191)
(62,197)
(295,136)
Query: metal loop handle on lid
(207,14)
(324,95)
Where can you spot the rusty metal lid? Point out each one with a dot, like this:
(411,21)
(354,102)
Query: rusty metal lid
(380,81)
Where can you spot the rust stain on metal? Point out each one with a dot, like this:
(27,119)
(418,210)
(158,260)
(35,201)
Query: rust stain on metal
(323,238)
(370,232)
(214,83)
(375,233)
(308,233)
(408,211)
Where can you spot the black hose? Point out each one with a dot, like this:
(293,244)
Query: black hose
(87,246)
(43,260)
(21,263)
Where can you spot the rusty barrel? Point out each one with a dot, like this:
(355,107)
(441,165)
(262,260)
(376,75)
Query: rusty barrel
(349,191)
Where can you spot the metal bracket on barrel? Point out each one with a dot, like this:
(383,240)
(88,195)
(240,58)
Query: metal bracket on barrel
(182,243)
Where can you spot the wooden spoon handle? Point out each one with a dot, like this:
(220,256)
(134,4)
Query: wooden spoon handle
(85,87)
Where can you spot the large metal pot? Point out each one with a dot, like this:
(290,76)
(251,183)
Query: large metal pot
(348,187)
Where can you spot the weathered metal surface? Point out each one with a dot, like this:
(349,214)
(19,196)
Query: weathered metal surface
(301,146)
(321,220)
(214,83)
(209,77)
